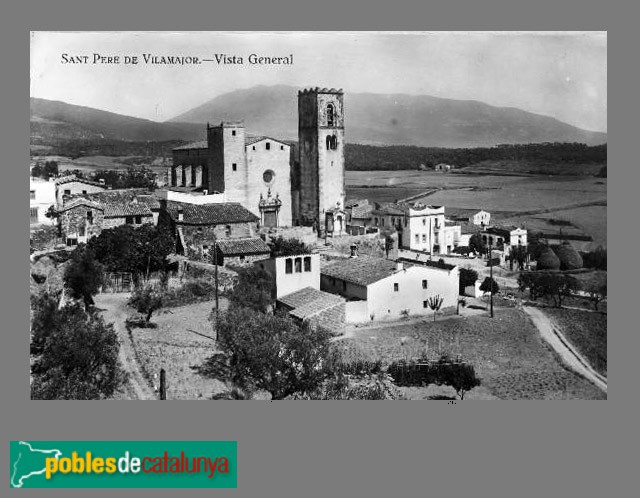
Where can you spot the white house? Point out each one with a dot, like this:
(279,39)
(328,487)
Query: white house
(473,216)
(71,185)
(42,194)
(422,228)
(292,273)
(507,236)
(379,289)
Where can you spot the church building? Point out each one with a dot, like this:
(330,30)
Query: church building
(282,184)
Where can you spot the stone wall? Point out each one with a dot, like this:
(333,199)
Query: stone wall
(75,219)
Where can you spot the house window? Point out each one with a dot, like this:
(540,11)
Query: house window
(344,285)
(227,230)
(424,237)
(396,287)
(90,217)
(417,238)
(282,147)
(382,221)
(330,115)
(234,166)
(424,284)
(32,194)
(328,142)
(205,248)
(138,220)
(268,145)
(242,258)
(233,133)
(288,266)
(129,220)
(67,192)
(84,191)
(424,221)
(376,221)
(307,263)
(72,241)
(254,147)
(81,231)
(33,215)
(298,265)
(425,304)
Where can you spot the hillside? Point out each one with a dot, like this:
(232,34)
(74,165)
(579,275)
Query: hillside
(53,121)
(393,119)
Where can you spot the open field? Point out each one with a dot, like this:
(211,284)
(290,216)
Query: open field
(587,331)
(507,352)
(171,346)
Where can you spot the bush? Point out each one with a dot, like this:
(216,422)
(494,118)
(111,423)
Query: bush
(467,277)
(146,300)
(489,285)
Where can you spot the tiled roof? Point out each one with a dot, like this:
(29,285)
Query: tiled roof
(431,264)
(73,178)
(355,202)
(117,209)
(309,301)
(393,208)
(361,270)
(467,227)
(211,214)
(361,211)
(202,144)
(231,247)
(252,139)
(461,213)
(81,201)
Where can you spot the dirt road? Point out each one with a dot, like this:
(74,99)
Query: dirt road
(113,307)
(551,333)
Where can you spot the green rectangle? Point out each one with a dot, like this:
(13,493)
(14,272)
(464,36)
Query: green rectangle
(161,464)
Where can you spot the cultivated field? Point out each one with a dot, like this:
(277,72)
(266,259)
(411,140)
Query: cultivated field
(180,352)
(504,196)
(507,352)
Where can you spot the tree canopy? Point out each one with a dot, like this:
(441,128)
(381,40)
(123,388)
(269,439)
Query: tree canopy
(83,275)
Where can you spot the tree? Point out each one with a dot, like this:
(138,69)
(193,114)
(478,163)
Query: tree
(489,285)
(146,300)
(77,356)
(254,289)
(434,303)
(477,244)
(597,293)
(287,247)
(272,352)
(519,255)
(83,275)
(460,376)
(554,286)
(467,277)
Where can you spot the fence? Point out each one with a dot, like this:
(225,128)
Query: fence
(117,282)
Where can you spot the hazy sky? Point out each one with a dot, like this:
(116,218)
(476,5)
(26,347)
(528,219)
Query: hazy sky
(563,75)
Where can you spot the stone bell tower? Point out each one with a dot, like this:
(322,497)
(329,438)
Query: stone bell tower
(321,145)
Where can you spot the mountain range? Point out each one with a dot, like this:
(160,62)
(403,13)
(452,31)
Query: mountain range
(373,119)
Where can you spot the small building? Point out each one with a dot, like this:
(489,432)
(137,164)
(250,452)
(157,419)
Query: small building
(505,237)
(199,226)
(81,219)
(358,215)
(71,185)
(42,195)
(297,290)
(379,289)
(476,217)
(241,251)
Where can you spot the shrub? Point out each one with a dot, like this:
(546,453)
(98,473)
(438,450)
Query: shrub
(489,285)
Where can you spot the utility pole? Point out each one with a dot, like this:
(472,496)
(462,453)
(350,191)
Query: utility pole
(491,276)
(163,384)
(215,262)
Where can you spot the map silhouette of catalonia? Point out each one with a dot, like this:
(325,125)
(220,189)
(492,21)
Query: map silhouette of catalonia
(29,462)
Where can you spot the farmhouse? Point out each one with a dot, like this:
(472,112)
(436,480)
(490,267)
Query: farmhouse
(241,251)
(71,185)
(80,220)
(473,216)
(381,289)
(505,236)
(198,226)
(297,290)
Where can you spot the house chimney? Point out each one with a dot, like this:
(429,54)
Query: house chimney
(205,192)
(354,250)
(180,214)
(399,265)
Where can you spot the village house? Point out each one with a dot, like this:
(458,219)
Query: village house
(71,185)
(198,226)
(476,217)
(241,252)
(358,216)
(379,289)
(42,195)
(425,229)
(505,237)
(297,290)
(81,219)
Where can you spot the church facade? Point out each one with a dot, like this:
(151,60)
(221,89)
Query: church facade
(282,184)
